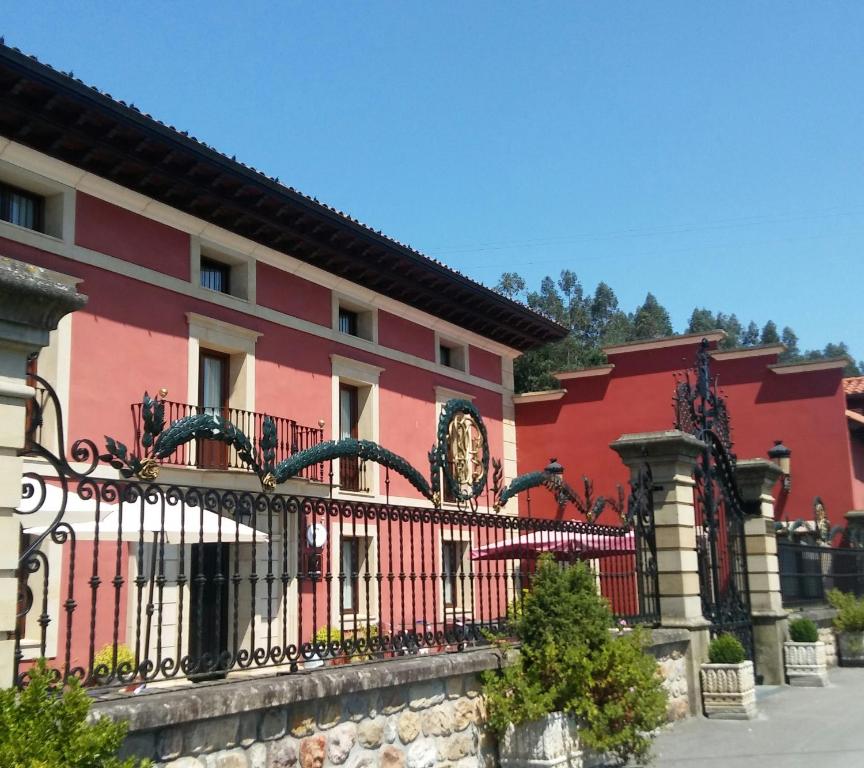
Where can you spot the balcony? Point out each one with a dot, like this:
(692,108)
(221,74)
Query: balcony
(291,437)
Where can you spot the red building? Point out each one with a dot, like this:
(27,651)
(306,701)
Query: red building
(802,404)
(235,296)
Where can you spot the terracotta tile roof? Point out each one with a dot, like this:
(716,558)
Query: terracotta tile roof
(854,385)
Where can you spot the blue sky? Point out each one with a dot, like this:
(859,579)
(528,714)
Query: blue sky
(711,153)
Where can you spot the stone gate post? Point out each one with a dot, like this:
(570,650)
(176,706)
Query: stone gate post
(756,479)
(672,456)
(31,304)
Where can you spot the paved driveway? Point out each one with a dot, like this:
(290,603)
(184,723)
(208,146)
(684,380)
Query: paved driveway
(795,728)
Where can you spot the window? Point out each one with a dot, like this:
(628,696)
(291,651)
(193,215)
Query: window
(444,356)
(213,399)
(215,276)
(353,593)
(457,586)
(347,322)
(449,569)
(352,474)
(349,571)
(22,208)
(452,354)
(354,319)
(354,414)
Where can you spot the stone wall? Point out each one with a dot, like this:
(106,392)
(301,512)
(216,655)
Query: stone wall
(670,648)
(416,712)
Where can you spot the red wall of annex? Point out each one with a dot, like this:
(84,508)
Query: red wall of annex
(805,410)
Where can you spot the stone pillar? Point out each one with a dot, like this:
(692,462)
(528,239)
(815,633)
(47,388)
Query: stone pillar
(756,479)
(672,456)
(31,304)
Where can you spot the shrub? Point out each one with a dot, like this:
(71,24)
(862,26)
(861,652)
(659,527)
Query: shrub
(803,631)
(726,649)
(103,660)
(850,611)
(45,726)
(570,661)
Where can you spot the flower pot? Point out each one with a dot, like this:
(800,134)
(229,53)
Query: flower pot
(729,691)
(552,740)
(806,663)
(850,649)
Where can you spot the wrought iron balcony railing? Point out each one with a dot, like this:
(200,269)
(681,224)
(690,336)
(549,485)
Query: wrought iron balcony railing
(213,454)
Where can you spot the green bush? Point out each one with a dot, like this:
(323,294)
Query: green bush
(726,649)
(570,661)
(803,631)
(850,611)
(45,726)
(103,660)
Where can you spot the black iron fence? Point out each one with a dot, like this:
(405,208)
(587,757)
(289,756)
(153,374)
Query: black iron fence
(809,571)
(126,582)
(291,438)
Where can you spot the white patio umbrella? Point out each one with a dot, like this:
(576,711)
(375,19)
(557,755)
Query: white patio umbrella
(144,519)
(77,509)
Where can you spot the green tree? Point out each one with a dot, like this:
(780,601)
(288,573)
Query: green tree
(701,321)
(603,309)
(750,338)
(732,326)
(769,333)
(510,285)
(651,320)
(790,340)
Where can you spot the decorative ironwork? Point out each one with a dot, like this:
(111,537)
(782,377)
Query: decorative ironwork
(701,410)
(164,582)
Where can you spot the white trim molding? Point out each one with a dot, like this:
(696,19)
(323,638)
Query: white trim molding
(585,373)
(809,367)
(663,343)
(740,353)
(545,396)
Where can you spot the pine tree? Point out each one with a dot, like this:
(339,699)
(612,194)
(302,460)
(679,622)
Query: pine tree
(769,333)
(751,335)
(702,321)
(733,329)
(790,340)
(651,320)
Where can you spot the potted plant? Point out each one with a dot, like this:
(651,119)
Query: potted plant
(574,684)
(849,627)
(728,683)
(806,660)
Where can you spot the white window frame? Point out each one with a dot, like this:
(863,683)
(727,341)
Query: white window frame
(370,613)
(461,611)
(367,317)
(365,377)
(458,353)
(58,207)
(243,269)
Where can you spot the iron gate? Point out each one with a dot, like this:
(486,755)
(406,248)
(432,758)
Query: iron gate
(701,410)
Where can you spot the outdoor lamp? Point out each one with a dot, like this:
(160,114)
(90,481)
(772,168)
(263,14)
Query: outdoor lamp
(782,456)
(316,538)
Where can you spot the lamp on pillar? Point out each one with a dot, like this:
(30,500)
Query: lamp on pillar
(782,456)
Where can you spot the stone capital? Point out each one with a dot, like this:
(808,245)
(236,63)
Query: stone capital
(671,449)
(756,479)
(32,303)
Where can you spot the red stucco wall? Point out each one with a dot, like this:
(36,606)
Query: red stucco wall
(110,229)
(805,410)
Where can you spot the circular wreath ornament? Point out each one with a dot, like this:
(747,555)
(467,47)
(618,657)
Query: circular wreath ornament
(463,449)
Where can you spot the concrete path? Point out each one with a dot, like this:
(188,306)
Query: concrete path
(795,728)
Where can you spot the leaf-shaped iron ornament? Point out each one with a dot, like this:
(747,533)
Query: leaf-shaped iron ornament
(458,417)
